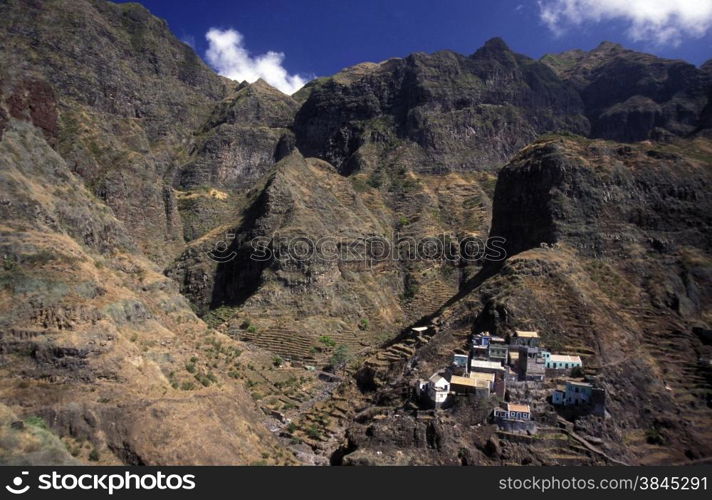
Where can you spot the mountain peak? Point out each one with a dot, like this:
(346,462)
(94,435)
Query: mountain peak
(494,48)
(496,43)
(607,46)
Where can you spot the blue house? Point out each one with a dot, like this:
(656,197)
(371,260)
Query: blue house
(573,393)
(460,361)
(481,339)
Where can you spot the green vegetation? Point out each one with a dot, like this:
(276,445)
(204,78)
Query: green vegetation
(340,356)
(653,436)
(36,421)
(402,222)
(359,185)
(375,180)
(206,379)
(327,341)
(8,263)
(218,316)
(313,432)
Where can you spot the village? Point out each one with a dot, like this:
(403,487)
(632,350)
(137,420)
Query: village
(516,374)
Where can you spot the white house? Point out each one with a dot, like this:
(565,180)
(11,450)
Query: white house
(513,411)
(561,361)
(481,339)
(438,389)
(578,392)
(484,383)
(484,366)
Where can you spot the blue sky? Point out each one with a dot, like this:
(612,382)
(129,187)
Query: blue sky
(319,37)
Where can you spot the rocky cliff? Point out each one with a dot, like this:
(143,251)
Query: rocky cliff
(120,95)
(94,340)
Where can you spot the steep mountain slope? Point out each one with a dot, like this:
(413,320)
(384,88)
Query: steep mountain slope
(128,93)
(95,340)
(96,345)
(609,258)
(304,215)
(245,134)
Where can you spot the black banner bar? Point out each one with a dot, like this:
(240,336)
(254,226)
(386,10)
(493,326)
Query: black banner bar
(433,482)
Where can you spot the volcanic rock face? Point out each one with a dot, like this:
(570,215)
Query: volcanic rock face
(245,134)
(138,187)
(459,113)
(129,94)
(603,198)
(631,96)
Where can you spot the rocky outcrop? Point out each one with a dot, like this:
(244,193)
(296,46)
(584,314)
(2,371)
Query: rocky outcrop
(460,113)
(29,442)
(245,135)
(629,96)
(603,198)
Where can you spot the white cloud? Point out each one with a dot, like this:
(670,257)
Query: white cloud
(228,55)
(664,22)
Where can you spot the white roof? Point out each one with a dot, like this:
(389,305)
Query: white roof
(481,363)
(419,328)
(564,358)
(438,381)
